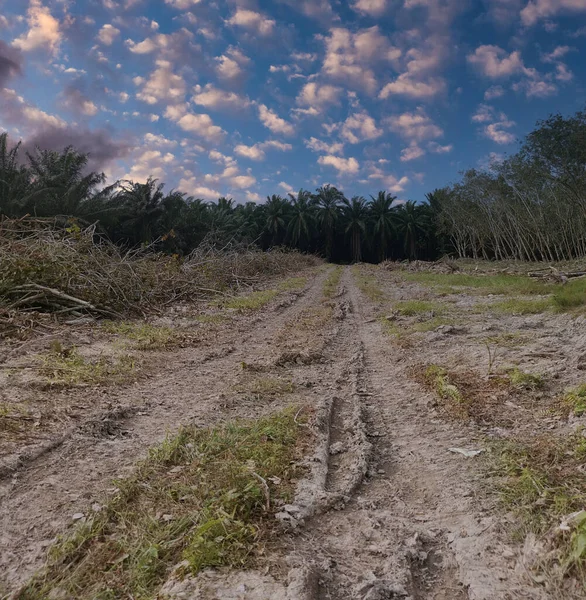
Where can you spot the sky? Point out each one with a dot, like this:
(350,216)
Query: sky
(246,98)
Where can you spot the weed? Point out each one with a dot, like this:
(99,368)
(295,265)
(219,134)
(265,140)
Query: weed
(575,400)
(253,301)
(204,496)
(65,366)
(508,340)
(521,306)
(332,282)
(438,378)
(145,335)
(570,296)
(520,379)
(292,284)
(412,308)
(367,284)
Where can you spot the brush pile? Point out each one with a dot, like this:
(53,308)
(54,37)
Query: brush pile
(69,271)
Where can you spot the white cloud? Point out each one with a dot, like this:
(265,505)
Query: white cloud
(373,8)
(415,126)
(192,187)
(318,96)
(438,149)
(321,146)
(162,84)
(231,64)
(556,54)
(350,57)
(107,34)
(213,97)
(182,4)
(251,152)
(405,85)
(563,73)
(43,30)
(201,125)
(242,182)
(497,131)
(158,140)
(253,196)
(254,21)
(151,163)
(288,188)
(272,121)
(495,91)
(494,62)
(412,152)
(536,88)
(390,182)
(543,9)
(360,127)
(484,113)
(343,165)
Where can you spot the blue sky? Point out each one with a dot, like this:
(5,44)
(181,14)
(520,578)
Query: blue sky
(246,98)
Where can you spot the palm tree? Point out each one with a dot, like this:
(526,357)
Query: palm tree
(382,217)
(301,220)
(15,181)
(327,201)
(413,224)
(276,214)
(355,214)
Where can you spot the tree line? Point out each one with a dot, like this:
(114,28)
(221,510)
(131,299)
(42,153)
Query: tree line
(47,183)
(529,206)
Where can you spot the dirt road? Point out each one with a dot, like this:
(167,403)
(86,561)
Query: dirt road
(400,516)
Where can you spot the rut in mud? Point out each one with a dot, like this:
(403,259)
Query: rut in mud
(390,513)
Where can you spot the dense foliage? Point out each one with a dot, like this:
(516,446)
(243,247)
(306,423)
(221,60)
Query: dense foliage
(531,206)
(56,184)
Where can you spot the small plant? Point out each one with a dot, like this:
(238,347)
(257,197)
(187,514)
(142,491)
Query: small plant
(412,308)
(492,357)
(145,335)
(65,366)
(205,497)
(575,400)
(253,301)
(439,379)
(521,379)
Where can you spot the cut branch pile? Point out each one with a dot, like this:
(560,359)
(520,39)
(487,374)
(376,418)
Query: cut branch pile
(74,272)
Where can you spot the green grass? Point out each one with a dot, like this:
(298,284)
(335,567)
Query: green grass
(144,335)
(66,367)
(204,496)
(521,306)
(367,284)
(438,378)
(520,379)
(332,282)
(510,285)
(292,284)
(412,308)
(575,400)
(571,296)
(253,301)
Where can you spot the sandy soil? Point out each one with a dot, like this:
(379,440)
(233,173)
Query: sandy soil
(391,512)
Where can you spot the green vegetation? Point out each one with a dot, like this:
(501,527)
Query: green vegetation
(412,308)
(367,284)
(520,379)
(570,296)
(253,301)
(205,496)
(575,400)
(541,483)
(66,367)
(332,282)
(521,306)
(292,284)
(145,335)
(438,378)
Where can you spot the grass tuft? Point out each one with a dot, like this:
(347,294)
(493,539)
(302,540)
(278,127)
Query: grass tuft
(575,400)
(145,335)
(439,379)
(412,308)
(367,284)
(332,282)
(570,296)
(253,301)
(204,496)
(521,306)
(528,381)
(66,367)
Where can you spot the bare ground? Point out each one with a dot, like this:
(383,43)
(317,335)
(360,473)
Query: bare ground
(390,512)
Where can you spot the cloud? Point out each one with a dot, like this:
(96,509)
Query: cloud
(415,126)
(230,66)
(242,182)
(107,34)
(202,126)
(412,152)
(495,91)
(215,98)
(373,8)
(536,88)
(257,151)
(351,57)
(438,149)
(76,100)
(272,121)
(43,32)
(404,85)
(253,196)
(10,63)
(253,21)
(182,4)
(496,132)
(192,187)
(390,182)
(153,139)
(563,73)
(163,85)
(543,9)
(360,127)
(484,113)
(151,163)
(494,62)
(318,96)
(288,188)
(347,166)
(555,55)
(321,10)
(321,146)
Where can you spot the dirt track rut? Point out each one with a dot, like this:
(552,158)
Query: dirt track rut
(402,516)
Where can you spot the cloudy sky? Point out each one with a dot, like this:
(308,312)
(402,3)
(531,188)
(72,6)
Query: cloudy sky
(246,98)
